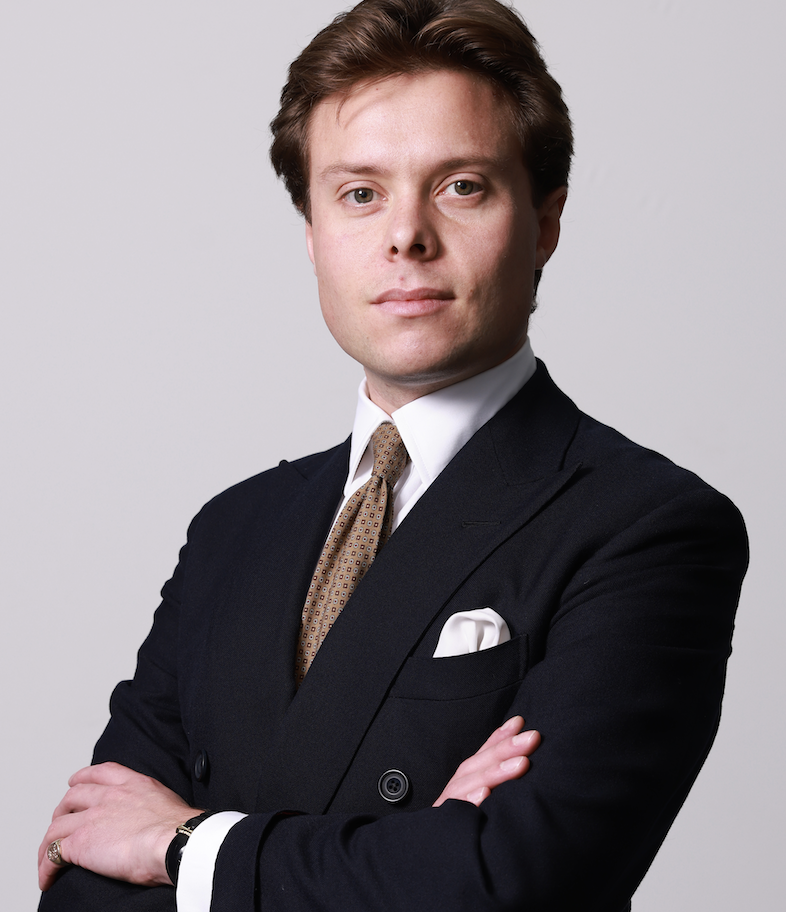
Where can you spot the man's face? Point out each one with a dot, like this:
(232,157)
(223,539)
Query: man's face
(423,235)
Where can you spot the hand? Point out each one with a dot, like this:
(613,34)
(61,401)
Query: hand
(503,757)
(115,822)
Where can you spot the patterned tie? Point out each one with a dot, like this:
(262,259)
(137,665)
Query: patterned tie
(361,529)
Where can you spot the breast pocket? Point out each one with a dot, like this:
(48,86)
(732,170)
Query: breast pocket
(465,676)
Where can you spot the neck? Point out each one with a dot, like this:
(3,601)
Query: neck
(391,395)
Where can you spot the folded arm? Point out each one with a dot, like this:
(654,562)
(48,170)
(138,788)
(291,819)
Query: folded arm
(119,823)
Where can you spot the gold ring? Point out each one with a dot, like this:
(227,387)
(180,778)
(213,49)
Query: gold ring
(53,853)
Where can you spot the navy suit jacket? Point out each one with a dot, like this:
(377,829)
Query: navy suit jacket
(618,574)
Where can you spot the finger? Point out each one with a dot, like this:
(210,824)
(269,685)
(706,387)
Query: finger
(498,737)
(511,727)
(47,841)
(476,786)
(60,829)
(47,869)
(87,775)
(82,775)
(491,777)
(503,757)
(108,773)
(521,745)
(527,742)
(479,796)
(57,812)
(78,798)
(520,748)
(518,745)
(487,769)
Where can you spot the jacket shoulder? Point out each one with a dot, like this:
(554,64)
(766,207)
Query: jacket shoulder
(628,466)
(269,493)
(542,430)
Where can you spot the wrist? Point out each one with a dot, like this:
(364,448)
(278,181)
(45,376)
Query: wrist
(178,843)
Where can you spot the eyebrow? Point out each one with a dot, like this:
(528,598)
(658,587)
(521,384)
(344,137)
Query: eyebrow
(340,169)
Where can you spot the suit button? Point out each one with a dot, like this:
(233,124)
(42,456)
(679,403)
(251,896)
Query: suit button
(201,766)
(393,786)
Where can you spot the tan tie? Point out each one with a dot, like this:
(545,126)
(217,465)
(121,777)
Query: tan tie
(363,526)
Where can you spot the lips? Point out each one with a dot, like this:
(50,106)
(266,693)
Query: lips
(412,302)
(416,294)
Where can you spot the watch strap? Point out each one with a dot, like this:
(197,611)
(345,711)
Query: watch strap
(174,854)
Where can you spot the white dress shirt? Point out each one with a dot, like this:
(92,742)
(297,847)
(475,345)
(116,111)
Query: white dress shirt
(434,428)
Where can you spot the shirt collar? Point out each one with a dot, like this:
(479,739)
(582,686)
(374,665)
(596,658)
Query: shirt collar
(435,427)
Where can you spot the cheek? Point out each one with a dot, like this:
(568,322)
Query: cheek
(337,258)
(496,253)
(338,300)
(500,300)
(330,273)
(490,282)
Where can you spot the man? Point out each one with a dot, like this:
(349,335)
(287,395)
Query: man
(322,711)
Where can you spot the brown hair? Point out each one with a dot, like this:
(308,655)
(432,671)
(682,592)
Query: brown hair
(380,38)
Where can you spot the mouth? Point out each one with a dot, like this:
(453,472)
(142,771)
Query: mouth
(412,302)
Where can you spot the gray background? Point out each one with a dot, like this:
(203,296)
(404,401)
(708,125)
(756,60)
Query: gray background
(161,339)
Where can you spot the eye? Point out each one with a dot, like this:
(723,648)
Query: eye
(465,187)
(360,195)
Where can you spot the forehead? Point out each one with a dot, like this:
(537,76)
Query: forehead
(446,113)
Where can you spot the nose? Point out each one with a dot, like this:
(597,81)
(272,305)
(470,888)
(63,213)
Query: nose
(411,233)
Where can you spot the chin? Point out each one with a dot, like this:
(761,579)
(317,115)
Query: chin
(425,377)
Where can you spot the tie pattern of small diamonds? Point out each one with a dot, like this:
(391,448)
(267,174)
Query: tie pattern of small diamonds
(361,529)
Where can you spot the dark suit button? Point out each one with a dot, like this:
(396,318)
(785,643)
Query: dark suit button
(201,766)
(393,786)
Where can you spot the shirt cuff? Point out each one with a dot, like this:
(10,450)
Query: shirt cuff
(195,879)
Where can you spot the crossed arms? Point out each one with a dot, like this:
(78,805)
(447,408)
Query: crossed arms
(119,823)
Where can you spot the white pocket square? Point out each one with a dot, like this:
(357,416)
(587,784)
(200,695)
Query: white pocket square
(471,631)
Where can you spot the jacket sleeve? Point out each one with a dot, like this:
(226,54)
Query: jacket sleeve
(627,697)
(145,731)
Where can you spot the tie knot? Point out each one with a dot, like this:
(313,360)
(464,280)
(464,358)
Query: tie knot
(390,454)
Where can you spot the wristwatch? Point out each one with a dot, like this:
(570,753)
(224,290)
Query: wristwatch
(174,853)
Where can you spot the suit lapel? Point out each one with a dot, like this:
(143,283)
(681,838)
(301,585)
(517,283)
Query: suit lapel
(508,472)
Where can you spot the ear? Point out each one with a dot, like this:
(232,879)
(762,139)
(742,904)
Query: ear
(310,244)
(548,214)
